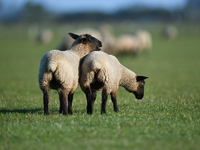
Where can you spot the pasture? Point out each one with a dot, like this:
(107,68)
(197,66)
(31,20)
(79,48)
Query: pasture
(168,117)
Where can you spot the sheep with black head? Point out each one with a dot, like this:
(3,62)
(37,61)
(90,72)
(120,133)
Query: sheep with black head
(59,70)
(101,71)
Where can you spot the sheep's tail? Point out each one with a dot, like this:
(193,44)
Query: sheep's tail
(95,66)
(52,66)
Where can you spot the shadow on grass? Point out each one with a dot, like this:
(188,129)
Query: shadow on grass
(38,111)
(22,111)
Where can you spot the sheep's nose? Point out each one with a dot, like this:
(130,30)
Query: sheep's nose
(100,44)
(139,96)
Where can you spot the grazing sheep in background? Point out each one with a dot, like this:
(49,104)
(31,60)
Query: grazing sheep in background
(125,44)
(144,40)
(45,36)
(101,71)
(67,41)
(141,41)
(59,70)
(32,31)
(170,32)
(108,38)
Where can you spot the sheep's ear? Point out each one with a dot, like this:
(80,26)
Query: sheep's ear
(140,78)
(74,36)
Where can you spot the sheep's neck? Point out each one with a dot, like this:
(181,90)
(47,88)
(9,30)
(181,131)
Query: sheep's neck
(79,51)
(127,79)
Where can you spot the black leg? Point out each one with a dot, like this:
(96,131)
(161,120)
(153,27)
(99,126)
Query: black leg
(89,100)
(70,99)
(114,100)
(104,100)
(93,98)
(46,101)
(63,102)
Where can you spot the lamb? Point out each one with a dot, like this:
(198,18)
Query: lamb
(100,71)
(59,70)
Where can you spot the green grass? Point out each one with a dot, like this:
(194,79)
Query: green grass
(168,117)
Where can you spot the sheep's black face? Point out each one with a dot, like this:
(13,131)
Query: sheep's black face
(93,42)
(139,93)
(87,40)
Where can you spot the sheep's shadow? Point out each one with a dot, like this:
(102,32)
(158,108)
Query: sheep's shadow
(22,111)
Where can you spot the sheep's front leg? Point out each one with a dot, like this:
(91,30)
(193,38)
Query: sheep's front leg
(63,102)
(114,100)
(46,101)
(104,100)
(70,99)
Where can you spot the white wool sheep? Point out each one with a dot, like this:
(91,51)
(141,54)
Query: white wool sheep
(144,40)
(125,44)
(108,38)
(170,32)
(101,71)
(141,40)
(59,70)
(45,36)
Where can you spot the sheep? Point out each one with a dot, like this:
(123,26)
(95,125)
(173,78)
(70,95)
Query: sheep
(108,38)
(100,71)
(59,70)
(45,36)
(67,41)
(125,44)
(139,41)
(32,31)
(144,40)
(170,32)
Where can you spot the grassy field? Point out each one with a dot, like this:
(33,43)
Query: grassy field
(168,117)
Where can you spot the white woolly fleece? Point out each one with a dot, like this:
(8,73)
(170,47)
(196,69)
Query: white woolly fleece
(108,70)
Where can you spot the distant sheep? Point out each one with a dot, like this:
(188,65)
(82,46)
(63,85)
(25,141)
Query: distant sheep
(170,32)
(139,41)
(144,40)
(101,71)
(45,36)
(125,44)
(108,38)
(59,70)
(32,31)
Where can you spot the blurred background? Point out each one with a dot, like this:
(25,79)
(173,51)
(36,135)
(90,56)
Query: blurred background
(113,21)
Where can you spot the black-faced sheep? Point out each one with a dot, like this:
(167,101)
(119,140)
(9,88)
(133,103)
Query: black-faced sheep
(101,71)
(67,41)
(59,70)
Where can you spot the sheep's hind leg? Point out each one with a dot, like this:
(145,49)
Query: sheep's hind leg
(46,101)
(89,100)
(114,100)
(104,100)
(63,102)
(70,99)
(93,98)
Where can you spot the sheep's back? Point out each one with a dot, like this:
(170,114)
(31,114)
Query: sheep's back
(106,66)
(61,66)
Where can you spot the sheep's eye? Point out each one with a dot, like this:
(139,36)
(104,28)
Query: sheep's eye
(142,84)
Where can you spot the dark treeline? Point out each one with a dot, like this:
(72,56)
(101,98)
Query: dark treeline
(34,12)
